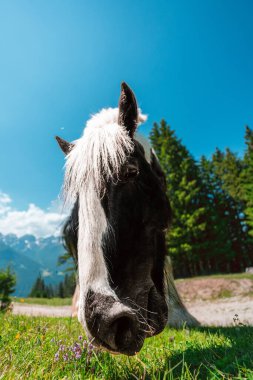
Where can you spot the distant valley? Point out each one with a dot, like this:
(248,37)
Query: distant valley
(28,257)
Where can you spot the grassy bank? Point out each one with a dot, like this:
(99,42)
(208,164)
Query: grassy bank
(230,276)
(28,347)
(44,301)
(67,301)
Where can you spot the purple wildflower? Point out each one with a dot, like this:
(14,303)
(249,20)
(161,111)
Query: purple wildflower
(74,351)
(62,347)
(78,355)
(76,347)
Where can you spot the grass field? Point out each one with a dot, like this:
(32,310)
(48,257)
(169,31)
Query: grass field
(230,276)
(28,347)
(44,301)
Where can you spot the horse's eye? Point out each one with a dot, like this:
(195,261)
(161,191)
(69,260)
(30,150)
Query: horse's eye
(129,172)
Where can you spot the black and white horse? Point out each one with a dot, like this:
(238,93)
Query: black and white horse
(116,231)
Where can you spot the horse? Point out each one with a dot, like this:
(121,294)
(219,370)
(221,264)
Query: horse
(116,231)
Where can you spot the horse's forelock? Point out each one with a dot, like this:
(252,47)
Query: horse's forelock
(99,154)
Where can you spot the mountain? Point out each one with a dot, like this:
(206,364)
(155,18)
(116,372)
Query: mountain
(28,257)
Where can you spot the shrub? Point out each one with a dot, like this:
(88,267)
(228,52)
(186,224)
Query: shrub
(7,286)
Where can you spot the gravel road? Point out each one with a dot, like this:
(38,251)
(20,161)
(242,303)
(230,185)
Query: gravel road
(221,312)
(216,313)
(41,310)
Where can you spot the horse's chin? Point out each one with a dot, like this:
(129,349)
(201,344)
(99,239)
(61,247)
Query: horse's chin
(114,352)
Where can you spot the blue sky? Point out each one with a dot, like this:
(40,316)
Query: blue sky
(189,62)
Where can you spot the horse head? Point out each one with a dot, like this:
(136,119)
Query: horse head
(117,228)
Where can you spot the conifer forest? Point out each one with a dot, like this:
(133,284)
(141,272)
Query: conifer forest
(212,205)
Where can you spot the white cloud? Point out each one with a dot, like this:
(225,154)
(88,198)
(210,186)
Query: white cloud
(5,198)
(34,220)
(5,201)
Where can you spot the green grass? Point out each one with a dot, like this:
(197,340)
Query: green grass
(44,301)
(232,276)
(224,293)
(27,351)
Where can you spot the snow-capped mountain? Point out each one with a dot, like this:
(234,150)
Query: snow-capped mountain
(29,256)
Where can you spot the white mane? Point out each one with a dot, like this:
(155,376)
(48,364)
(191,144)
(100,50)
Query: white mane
(99,154)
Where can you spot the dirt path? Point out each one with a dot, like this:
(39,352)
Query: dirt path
(216,313)
(41,310)
(221,312)
(213,301)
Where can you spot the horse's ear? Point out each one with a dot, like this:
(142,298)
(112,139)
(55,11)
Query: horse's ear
(128,111)
(65,146)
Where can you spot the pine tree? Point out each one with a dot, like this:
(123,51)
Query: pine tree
(61,290)
(184,190)
(222,254)
(247,179)
(50,291)
(39,289)
(228,168)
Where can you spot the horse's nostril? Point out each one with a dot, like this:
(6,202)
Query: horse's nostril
(122,333)
(124,329)
(113,325)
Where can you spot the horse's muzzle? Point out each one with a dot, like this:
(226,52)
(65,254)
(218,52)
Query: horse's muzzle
(112,324)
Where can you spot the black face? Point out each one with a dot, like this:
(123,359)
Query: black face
(138,212)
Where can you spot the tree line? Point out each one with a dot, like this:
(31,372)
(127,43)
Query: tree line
(212,205)
(64,289)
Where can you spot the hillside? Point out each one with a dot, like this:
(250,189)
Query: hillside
(29,257)
(214,287)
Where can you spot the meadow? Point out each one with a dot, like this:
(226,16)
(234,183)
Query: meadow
(54,348)
(44,301)
(229,276)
